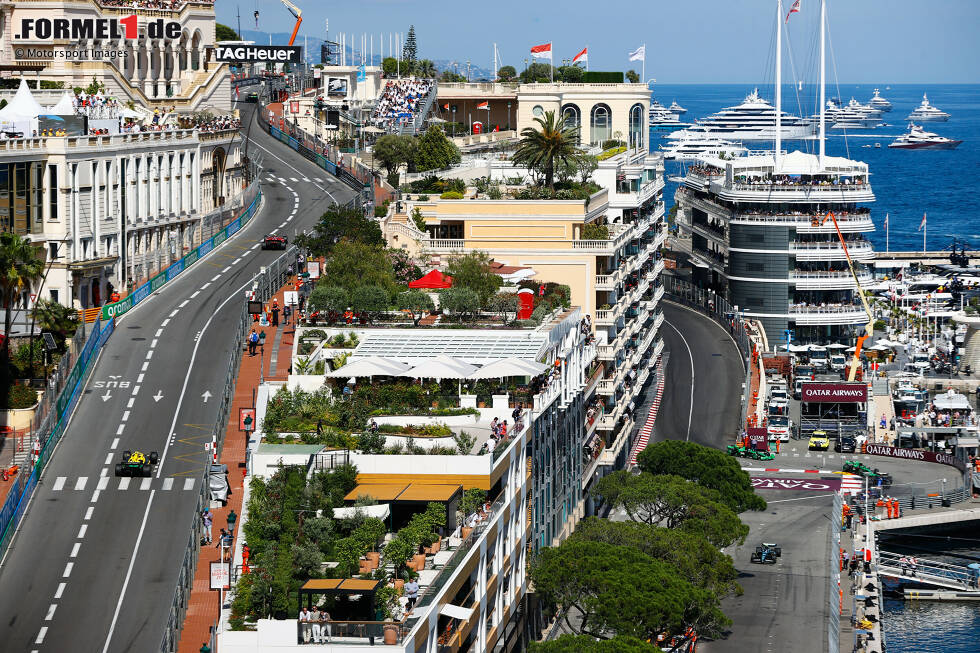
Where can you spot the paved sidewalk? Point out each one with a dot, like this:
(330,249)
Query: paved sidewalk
(203,609)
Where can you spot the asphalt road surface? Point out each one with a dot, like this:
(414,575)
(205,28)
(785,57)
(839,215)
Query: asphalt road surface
(702,399)
(95,562)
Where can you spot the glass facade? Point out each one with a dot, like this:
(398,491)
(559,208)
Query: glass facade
(556,455)
(21,196)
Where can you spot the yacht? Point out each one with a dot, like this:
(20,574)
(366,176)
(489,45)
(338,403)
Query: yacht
(692,149)
(919,139)
(752,120)
(854,116)
(925,112)
(663,119)
(880,103)
(676,108)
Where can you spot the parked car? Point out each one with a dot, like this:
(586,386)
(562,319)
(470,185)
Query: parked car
(845,444)
(818,441)
(780,427)
(838,362)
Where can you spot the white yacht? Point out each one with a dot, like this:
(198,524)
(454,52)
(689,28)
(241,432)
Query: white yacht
(925,112)
(692,149)
(676,108)
(854,116)
(752,120)
(879,103)
(919,139)
(663,119)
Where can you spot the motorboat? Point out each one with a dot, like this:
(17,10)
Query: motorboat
(925,112)
(692,149)
(676,108)
(919,139)
(853,116)
(663,119)
(879,103)
(752,120)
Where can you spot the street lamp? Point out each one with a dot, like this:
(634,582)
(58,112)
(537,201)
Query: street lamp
(508,116)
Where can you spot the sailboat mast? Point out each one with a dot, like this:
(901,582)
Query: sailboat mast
(779,84)
(823,79)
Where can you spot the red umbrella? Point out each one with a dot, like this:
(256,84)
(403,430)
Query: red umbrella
(434,279)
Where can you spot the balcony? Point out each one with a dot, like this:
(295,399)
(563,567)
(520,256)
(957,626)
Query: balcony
(610,454)
(706,205)
(808,223)
(793,193)
(657,269)
(438,245)
(832,251)
(657,296)
(806,315)
(826,280)
(608,282)
(608,317)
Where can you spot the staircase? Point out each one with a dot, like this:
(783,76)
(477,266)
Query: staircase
(413,128)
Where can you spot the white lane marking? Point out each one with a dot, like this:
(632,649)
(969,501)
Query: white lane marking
(215,277)
(168,483)
(74,550)
(119,430)
(195,294)
(226,269)
(136,389)
(50,615)
(157,334)
(80,483)
(188,484)
(164,323)
(61,590)
(95,496)
(129,572)
(88,515)
(293,179)
(108,459)
(318,179)
(125,415)
(59,484)
(145,365)
(282,224)
(41,634)
(236,260)
(68,568)
(105,470)
(289,165)
(124,483)
(149,354)
(690,412)
(173,312)
(139,379)
(153,343)
(184,303)
(306,180)
(205,285)
(255,246)
(103,483)
(132,400)
(84,527)
(145,484)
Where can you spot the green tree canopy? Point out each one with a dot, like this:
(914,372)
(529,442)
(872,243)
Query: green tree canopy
(434,151)
(341,222)
(410,52)
(632,77)
(570,74)
(225,33)
(20,267)
(617,590)
(332,300)
(473,271)
(392,150)
(505,303)
(416,302)
(354,264)
(450,76)
(673,502)
(370,300)
(585,644)
(389,66)
(536,72)
(552,145)
(426,68)
(507,73)
(708,467)
(56,318)
(461,302)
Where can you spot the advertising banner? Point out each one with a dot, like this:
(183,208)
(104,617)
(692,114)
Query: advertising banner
(840,393)
(205,248)
(191,258)
(174,270)
(258,53)
(915,454)
(141,293)
(336,87)
(220,575)
(156,283)
(798,484)
(118,308)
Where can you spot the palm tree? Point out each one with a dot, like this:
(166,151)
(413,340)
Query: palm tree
(426,69)
(549,147)
(20,266)
(57,319)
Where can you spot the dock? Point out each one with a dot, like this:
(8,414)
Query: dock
(931,518)
(930,595)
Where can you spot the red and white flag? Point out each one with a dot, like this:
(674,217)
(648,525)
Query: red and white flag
(795,9)
(922,225)
(541,51)
(886,221)
(483,105)
(581,56)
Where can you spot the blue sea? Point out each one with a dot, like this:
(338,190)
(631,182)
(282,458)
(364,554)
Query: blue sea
(906,183)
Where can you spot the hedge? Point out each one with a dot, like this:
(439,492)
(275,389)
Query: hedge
(599,77)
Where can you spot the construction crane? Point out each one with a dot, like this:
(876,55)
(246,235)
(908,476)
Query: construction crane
(297,14)
(870,326)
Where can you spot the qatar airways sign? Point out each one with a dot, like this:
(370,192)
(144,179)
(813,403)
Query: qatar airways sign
(840,393)
(915,454)
(78,29)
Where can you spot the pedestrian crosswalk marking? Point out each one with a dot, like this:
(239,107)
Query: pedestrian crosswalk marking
(63,483)
(80,483)
(306,180)
(104,483)
(293,179)
(317,179)
(188,484)
(124,483)
(59,484)
(145,485)
(168,483)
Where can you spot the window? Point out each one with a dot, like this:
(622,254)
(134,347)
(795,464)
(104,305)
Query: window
(54,295)
(537,111)
(572,116)
(53,192)
(52,250)
(636,126)
(601,124)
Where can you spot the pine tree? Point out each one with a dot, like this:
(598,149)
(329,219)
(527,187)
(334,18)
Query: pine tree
(410,51)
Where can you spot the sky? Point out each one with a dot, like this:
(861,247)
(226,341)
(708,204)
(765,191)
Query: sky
(688,41)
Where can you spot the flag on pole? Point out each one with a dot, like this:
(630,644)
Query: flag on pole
(886,221)
(541,51)
(445,107)
(639,54)
(795,9)
(483,105)
(581,56)
(922,225)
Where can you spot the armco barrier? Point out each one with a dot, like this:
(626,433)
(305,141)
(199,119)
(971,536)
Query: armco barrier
(124,305)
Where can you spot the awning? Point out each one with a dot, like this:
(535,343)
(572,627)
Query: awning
(508,367)
(951,401)
(456,611)
(425,493)
(369,366)
(441,367)
(434,279)
(381,511)
(379,492)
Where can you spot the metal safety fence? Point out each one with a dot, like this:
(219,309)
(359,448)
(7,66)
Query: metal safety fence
(50,430)
(835,596)
(263,286)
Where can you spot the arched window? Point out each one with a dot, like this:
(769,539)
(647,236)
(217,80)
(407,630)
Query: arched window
(636,126)
(601,124)
(572,116)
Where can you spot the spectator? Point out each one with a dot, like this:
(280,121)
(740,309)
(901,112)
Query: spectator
(411,593)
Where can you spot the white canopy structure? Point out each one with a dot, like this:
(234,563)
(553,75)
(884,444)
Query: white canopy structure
(370,366)
(23,105)
(381,511)
(440,367)
(951,400)
(64,107)
(126,112)
(836,345)
(507,367)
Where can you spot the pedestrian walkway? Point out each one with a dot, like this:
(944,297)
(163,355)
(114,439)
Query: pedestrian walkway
(82,483)
(203,609)
(883,405)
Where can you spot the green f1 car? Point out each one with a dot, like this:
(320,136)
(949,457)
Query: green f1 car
(745,452)
(135,463)
(767,553)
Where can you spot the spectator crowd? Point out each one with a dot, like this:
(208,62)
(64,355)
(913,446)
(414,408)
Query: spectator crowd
(399,100)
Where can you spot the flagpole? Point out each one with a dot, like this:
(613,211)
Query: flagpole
(886,233)
(925,229)
(643,68)
(586,57)
(551,61)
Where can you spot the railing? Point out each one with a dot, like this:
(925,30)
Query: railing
(925,571)
(446,243)
(369,630)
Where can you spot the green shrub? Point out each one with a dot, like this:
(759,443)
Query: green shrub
(593,231)
(608,154)
(451,195)
(21,396)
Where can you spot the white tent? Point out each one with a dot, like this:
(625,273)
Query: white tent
(951,400)
(369,366)
(836,345)
(507,367)
(64,107)
(441,367)
(381,511)
(126,112)
(23,105)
